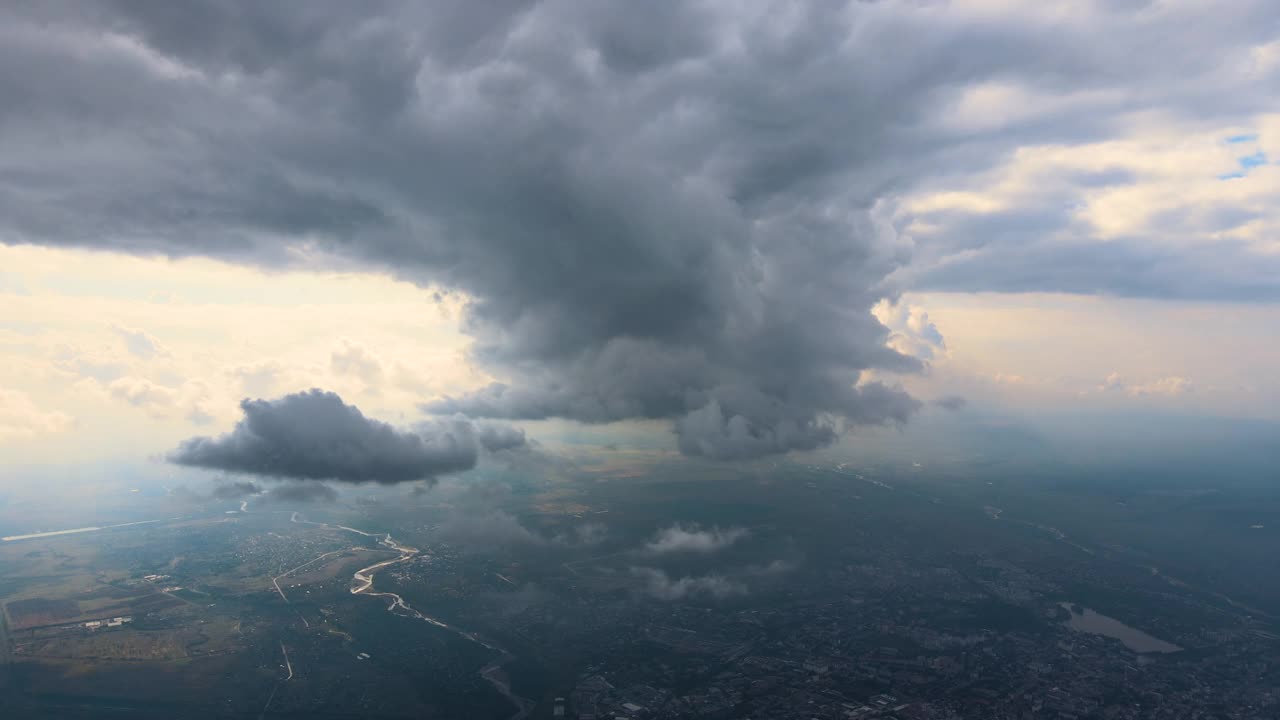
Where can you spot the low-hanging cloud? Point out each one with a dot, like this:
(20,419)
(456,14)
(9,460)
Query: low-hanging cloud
(300,492)
(692,538)
(234,490)
(314,435)
(487,530)
(660,585)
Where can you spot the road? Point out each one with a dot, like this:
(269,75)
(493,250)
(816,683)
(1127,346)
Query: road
(288,665)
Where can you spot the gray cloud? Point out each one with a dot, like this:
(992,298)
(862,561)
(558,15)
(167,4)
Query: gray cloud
(658,584)
(234,490)
(591,533)
(315,436)
(301,492)
(951,402)
(487,530)
(476,525)
(287,492)
(496,437)
(683,213)
(681,538)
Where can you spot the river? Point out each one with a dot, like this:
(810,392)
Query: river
(362,584)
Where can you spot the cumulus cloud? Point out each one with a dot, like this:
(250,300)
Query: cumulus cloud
(692,538)
(951,402)
(912,332)
(21,418)
(658,584)
(139,343)
(1171,386)
(686,213)
(314,435)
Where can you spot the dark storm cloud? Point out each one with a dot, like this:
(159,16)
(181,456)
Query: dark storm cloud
(315,436)
(676,211)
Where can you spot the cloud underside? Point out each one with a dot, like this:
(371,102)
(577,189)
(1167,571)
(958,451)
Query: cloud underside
(314,435)
(682,211)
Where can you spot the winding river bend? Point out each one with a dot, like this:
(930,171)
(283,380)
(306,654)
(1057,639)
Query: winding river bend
(362,584)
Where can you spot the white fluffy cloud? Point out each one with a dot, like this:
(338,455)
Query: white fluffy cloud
(21,418)
(692,538)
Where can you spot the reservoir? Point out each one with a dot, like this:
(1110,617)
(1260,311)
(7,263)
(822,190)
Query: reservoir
(1094,623)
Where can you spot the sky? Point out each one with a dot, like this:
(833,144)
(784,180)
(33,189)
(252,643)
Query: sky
(374,242)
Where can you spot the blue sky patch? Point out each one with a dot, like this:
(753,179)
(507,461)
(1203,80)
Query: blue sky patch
(1257,159)
(1237,139)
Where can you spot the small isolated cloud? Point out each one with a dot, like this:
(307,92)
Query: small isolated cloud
(951,402)
(1171,386)
(139,343)
(658,584)
(314,435)
(679,538)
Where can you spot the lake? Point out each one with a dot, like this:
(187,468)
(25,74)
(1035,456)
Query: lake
(1095,623)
